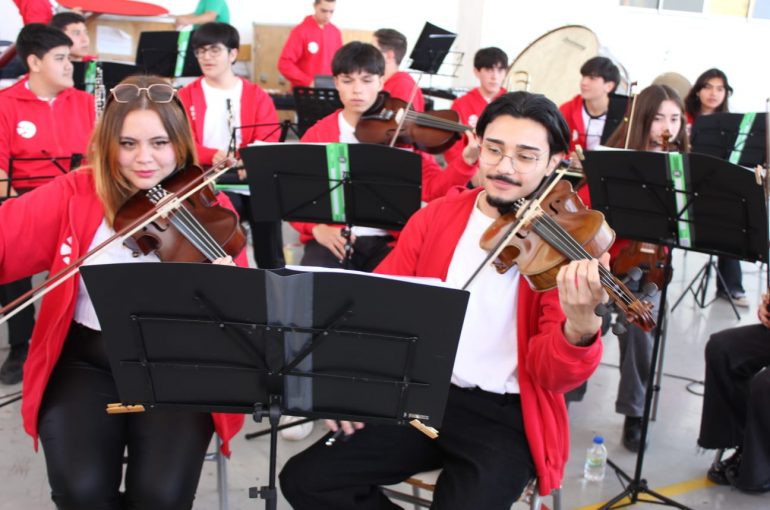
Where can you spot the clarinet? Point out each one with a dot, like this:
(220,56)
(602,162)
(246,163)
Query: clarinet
(100,93)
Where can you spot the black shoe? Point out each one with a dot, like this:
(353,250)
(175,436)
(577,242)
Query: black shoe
(632,433)
(731,473)
(11,371)
(717,473)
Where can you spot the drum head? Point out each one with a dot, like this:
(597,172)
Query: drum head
(552,63)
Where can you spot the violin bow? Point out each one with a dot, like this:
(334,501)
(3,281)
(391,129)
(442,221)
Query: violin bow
(408,106)
(162,209)
(630,118)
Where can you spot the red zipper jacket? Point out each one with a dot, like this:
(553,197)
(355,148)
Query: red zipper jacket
(308,52)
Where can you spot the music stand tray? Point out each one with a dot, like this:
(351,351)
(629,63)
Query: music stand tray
(158,53)
(379,187)
(227,339)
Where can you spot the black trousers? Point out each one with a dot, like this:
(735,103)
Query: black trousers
(84,446)
(266,236)
(730,269)
(20,327)
(736,399)
(481,447)
(368,252)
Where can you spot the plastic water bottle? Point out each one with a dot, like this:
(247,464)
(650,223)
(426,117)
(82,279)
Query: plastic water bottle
(596,461)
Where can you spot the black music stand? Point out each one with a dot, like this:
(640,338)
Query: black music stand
(313,104)
(158,53)
(59,165)
(431,48)
(693,202)
(112,74)
(735,137)
(616,111)
(307,344)
(374,186)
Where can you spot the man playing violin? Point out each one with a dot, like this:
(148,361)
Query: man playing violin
(358,70)
(519,350)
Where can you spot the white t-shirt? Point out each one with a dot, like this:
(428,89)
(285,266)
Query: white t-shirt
(348,135)
(487,355)
(216,128)
(594,128)
(115,253)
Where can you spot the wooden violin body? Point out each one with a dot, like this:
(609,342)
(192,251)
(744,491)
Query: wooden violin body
(562,229)
(433,133)
(649,257)
(177,237)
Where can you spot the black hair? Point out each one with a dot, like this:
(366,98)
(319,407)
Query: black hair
(389,39)
(62,19)
(489,58)
(602,67)
(38,39)
(215,32)
(356,57)
(692,102)
(526,105)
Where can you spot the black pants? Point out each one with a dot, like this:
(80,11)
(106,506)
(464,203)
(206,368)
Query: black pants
(481,447)
(368,252)
(730,269)
(266,236)
(736,399)
(19,327)
(84,446)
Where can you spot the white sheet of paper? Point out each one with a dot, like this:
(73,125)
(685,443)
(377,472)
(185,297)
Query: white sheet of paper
(112,41)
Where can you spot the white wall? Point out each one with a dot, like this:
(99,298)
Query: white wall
(648,43)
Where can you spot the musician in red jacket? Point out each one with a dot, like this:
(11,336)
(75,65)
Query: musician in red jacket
(398,84)
(489,67)
(143,137)
(45,124)
(519,351)
(221,105)
(311,46)
(586,113)
(358,71)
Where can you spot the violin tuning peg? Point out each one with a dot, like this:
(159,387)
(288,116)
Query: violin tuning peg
(619,328)
(634,275)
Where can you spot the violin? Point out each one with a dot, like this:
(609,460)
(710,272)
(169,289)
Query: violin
(389,121)
(202,229)
(168,206)
(552,231)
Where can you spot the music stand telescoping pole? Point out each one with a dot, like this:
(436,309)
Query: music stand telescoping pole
(212,338)
(364,185)
(692,202)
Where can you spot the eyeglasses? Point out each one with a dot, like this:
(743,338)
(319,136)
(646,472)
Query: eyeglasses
(521,162)
(214,50)
(157,92)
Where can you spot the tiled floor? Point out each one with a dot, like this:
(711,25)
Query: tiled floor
(672,465)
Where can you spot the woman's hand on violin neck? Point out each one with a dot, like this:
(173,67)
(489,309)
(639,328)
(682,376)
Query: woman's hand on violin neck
(332,239)
(472,148)
(580,290)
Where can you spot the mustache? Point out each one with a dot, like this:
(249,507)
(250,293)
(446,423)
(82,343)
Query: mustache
(504,178)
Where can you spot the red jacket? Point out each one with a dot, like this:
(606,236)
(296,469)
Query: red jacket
(435,181)
(31,128)
(35,11)
(469,108)
(308,52)
(548,365)
(400,86)
(573,114)
(256,108)
(54,225)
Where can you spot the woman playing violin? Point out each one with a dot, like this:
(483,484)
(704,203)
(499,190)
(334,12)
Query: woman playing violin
(658,119)
(519,350)
(142,138)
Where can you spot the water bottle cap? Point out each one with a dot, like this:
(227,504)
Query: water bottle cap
(598,440)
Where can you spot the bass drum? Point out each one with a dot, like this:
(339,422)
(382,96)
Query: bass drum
(551,64)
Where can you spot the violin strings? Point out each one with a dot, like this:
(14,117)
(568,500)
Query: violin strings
(190,228)
(572,249)
(429,121)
